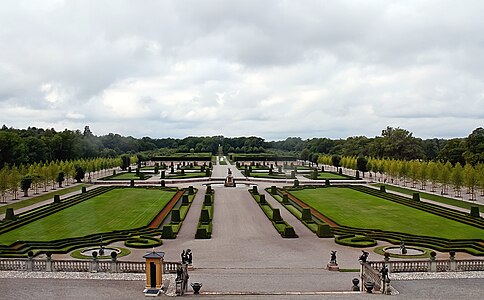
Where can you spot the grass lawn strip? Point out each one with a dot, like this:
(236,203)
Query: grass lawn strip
(127,176)
(436,198)
(356,209)
(37,199)
(117,209)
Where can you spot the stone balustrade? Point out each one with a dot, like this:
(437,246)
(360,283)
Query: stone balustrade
(399,266)
(92,265)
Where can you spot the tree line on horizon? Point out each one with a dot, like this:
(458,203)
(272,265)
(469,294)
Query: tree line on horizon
(36,145)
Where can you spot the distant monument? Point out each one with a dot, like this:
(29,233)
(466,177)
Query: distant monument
(229,180)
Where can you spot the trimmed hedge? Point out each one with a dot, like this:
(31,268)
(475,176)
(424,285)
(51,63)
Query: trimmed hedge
(204,227)
(274,215)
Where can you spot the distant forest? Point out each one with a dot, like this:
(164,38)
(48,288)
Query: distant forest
(32,145)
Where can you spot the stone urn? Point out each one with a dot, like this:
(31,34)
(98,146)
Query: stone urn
(369,286)
(356,283)
(196,286)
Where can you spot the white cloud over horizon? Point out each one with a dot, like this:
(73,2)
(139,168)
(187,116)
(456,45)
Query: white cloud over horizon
(267,68)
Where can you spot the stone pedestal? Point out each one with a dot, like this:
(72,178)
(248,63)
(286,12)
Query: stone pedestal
(332,267)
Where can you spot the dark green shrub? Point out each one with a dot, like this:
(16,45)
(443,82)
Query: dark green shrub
(296,183)
(190,190)
(293,174)
(276,215)
(31,254)
(324,231)
(131,183)
(383,189)
(357,174)
(83,190)
(273,190)
(262,199)
(475,211)
(289,232)
(208,199)
(306,214)
(167,232)
(340,171)
(9,214)
(254,190)
(157,169)
(162,183)
(162,176)
(175,215)
(114,172)
(185,199)
(209,189)
(326,182)
(285,199)
(201,233)
(57,199)
(205,216)
(416,196)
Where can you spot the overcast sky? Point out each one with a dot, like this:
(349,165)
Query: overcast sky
(266,68)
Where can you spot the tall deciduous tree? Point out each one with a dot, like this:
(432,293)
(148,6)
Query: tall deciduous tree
(457,179)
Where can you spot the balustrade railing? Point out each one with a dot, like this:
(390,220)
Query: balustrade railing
(13,265)
(50,265)
(469,265)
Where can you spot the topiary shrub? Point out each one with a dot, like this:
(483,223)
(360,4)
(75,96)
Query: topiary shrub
(114,255)
(254,190)
(209,189)
(9,214)
(208,199)
(273,190)
(262,199)
(276,215)
(57,199)
(306,214)
(289,232)
(383,189)
(190,190)
(205,216)
(326,182)
(131,183)
(175,215)
(162,176)
(185,199)
(163,184)
(475,211)
(201,233)
(416,197)
(324,231)
(83,190)
(167,232)
(293,174)
(296,183)
(285,199)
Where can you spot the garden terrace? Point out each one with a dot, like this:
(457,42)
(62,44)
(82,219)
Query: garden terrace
(274,215)
(131,211)
(369,213)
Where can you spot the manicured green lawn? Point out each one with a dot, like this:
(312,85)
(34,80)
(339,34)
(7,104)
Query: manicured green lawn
(117,209)
(327,175)
(187,175)
(127,176)
(24,203)
(436,198)
(356,209)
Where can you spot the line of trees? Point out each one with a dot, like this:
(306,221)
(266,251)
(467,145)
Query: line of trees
(42,176)
(418,174)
